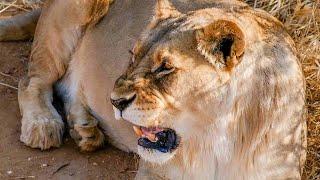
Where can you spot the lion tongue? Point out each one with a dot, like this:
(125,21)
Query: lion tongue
(149,133)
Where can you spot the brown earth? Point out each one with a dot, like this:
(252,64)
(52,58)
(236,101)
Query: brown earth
(20,162)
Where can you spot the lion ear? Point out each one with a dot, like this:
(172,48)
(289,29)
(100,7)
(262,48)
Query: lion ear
(222,43)
(164,9)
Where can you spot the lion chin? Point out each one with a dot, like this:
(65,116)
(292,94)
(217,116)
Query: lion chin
(155,156)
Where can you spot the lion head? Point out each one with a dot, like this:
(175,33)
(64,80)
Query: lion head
(212,84)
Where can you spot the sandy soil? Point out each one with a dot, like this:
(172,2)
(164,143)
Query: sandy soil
(20,162)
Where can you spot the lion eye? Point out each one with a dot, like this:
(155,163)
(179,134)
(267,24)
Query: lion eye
(164,69)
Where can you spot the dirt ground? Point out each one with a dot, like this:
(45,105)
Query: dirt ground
(20,162)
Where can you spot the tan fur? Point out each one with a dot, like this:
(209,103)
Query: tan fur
(235,96)
(20,27)
(230,103)
(50,56)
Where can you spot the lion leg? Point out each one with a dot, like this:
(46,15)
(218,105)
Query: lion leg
(20,27)
(83,126)
(60,28)
(42,127)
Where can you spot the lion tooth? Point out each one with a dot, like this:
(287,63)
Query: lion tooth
(152,137)
(137,130)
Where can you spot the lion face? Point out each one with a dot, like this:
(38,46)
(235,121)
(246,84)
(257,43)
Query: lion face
(174,75)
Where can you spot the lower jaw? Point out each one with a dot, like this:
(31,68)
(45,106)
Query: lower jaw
(162,140)
(158,147)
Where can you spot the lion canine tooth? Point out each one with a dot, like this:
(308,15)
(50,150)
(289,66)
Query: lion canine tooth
(137,130)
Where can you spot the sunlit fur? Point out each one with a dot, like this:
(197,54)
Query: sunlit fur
(236,117)
(59,33)
(239,118)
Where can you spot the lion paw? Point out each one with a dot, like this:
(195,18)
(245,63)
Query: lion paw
(89,138)
(42,132)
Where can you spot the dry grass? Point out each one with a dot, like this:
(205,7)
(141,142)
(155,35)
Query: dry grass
(302,20)
(12,7)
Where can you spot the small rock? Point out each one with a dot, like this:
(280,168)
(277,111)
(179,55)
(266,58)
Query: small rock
(44,165)
(9,172)
(29,158)
(6,71)
(95,164)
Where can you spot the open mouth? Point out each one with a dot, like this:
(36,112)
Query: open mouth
(161,139)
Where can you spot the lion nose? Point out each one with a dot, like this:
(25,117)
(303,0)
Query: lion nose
(122,103)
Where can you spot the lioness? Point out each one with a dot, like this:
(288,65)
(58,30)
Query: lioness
(213,92)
